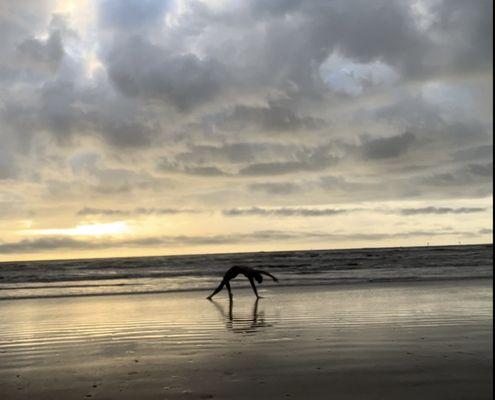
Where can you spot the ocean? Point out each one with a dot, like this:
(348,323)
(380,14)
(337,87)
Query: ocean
(60,278)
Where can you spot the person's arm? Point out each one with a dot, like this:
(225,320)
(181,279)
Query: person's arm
(220,287)
(268,274)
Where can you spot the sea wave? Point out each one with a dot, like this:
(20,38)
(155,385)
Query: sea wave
(139,275)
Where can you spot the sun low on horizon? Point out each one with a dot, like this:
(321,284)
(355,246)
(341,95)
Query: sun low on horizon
(135,128)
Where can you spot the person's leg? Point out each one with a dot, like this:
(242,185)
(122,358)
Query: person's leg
(228,288)
(254,287)
(220,287)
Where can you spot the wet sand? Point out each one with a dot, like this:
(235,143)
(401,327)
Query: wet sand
(407,341)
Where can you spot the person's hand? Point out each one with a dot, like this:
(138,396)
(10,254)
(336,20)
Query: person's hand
(275,279)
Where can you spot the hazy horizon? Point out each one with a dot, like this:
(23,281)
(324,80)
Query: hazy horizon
(319,249)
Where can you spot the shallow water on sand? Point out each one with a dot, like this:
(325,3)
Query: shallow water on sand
(410,340)
(48,332)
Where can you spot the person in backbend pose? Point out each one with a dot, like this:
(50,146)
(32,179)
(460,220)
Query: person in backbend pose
(249,273)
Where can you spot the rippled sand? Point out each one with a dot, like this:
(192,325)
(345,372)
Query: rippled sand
(407,341)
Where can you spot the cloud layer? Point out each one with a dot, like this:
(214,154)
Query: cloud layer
(283,109)
(171,242)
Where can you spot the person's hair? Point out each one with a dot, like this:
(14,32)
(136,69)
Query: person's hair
(258,277)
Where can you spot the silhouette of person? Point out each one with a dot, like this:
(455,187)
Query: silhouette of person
(249,273)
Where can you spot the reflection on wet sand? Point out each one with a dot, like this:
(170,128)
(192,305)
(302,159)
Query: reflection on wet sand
(242,322)
(403,341)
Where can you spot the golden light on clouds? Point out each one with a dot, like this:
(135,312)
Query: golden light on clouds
(80,11)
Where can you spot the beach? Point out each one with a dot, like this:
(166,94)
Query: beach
(428,340)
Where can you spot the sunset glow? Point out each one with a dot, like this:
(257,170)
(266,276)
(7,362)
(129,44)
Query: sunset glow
(112,228)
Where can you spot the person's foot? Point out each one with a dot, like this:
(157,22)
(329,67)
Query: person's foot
(208,298)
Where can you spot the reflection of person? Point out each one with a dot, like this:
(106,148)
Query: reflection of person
(249,273)
(242,324)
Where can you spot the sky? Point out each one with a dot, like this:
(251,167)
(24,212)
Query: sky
(146,127)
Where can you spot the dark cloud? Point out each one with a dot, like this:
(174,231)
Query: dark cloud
(466,30)
(471,174)
(86,211)
(323,212)
(129,134)
(388,147)
(272,118)
(382,30)
(141,69)
(58,109)
(47,53)
(131,14)
(467,181)
(276,168)
(68,110)
(8,165)
(287,53)
(103,211)
(97,177)
(421,184)
(464,132)
(301,159)
(284,212)
(388,31)
(275,188)
(305,161)
(278,212)
(441,210)
(30,16)
(204,171)
(287,167)
(475,153)
(436,131)
(47,244)
(226,153)
(165,165)
(275,7)
(484,170)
